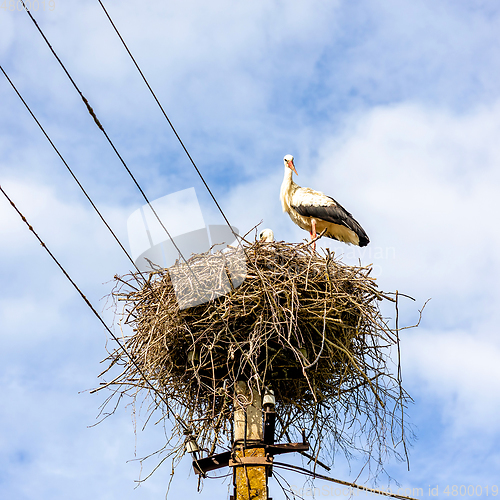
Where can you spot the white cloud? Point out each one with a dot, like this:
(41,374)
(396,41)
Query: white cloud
(66,223)
(423,182)
(6,34)
(460,370)
(400,50)
(392,108)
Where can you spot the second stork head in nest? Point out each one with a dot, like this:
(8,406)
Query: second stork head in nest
(316,212)
(266,236)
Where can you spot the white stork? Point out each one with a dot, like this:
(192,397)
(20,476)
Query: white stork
(314,211)
(266,235)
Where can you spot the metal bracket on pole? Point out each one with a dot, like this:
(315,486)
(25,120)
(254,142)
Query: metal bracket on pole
(204,465)
(239,461)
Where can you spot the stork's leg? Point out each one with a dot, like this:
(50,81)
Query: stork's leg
(313,232)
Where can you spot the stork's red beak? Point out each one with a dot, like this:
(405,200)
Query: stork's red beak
(291,166)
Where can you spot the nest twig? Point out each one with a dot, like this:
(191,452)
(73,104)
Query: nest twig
(305,325)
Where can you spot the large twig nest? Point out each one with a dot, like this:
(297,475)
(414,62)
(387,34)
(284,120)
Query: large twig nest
(305,325)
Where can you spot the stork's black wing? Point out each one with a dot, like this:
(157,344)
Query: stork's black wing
(309,203)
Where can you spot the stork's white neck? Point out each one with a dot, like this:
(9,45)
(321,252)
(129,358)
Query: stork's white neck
(288,174)
(287,188)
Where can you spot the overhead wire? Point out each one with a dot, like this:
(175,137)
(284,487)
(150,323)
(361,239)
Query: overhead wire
(146,282)
(100,126)
(167,118)
(69,168)
(98,123)
(115,338)
(296,468)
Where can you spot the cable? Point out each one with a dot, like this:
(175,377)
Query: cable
(296,468)
(98,123)
(117,340)
(139,273)
(69,169)
(167,118)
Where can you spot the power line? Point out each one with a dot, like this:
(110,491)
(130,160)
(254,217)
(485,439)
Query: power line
(167,118)
(68,167)
(146,282)
(98,123)
(116,339)
(296,468)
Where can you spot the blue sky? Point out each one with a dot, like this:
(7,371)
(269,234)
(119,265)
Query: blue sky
(392,108)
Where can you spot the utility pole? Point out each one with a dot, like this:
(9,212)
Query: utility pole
(250,464)
(253,447)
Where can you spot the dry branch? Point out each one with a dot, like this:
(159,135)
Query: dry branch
(305,325)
